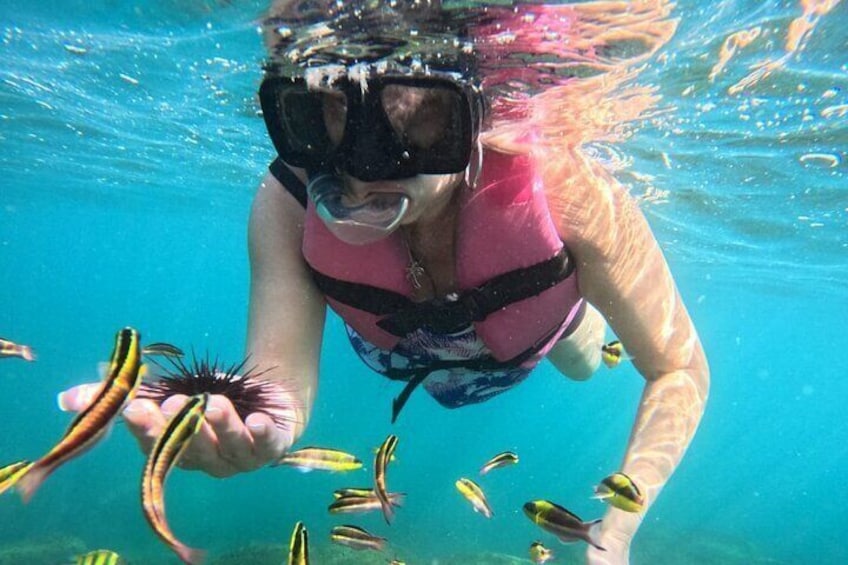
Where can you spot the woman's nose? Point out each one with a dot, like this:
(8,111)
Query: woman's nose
(356,186)
(356,189)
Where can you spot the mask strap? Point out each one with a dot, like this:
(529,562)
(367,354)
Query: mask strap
(471,180)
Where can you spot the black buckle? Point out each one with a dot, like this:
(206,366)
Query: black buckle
(446,315)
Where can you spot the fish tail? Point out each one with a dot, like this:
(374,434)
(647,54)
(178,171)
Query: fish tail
(593,535)
(388,511)
(31,480)
(190,555)
(27,353)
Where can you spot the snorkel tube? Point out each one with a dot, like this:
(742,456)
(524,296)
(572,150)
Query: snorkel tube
(374,218)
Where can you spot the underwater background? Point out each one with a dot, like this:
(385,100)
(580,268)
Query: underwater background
(130,148)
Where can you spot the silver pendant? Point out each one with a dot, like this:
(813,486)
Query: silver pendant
(414,272)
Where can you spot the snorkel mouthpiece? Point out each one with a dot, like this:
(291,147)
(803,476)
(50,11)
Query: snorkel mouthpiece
(374,218)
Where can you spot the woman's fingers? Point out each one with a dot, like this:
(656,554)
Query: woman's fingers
(224,445)
(202,452)
(234,442)
(77,398)
(269,441)
(145,421)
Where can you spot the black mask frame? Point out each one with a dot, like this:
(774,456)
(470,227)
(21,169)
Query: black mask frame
(370,149)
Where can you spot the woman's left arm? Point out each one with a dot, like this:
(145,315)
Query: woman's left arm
(622,272)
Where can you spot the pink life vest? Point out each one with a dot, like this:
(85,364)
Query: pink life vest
(504,226)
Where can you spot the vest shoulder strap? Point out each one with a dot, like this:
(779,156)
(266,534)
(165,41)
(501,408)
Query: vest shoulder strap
(280,171)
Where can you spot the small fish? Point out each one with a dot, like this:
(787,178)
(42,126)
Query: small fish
(162,349)
(99,557)
(163,456)
(92,423)
(359,491)
(391,459)
(10,474)
(612,353)
(299,546)
(397,562)
(320,459)
(12,349)
(621,492)
(356,538)
(359,504)
(474,495)
(381,461)
(500,460)
(539,553)
(563,524)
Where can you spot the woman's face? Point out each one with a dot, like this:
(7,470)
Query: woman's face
(418,116)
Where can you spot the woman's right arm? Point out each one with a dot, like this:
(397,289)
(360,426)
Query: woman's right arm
(286,322)
(286,314)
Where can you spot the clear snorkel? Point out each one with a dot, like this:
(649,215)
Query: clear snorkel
(378,215)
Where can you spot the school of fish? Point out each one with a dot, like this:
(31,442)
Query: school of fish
(120,384)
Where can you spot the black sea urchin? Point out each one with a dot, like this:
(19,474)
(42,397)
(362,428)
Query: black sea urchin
(247,391)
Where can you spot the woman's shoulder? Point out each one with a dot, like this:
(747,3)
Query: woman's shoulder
(589,207)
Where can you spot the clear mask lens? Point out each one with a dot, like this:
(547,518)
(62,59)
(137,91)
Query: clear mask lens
(373,219)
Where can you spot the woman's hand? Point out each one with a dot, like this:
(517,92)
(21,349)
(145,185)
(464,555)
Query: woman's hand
(224,446)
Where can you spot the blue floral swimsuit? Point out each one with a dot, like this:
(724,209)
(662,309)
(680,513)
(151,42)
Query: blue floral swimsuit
(451,387)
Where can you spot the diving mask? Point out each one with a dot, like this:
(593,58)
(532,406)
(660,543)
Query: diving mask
(389,127)
(372,219)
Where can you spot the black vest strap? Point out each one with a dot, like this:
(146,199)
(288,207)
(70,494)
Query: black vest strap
(289,180)
(455,312)
(371,299)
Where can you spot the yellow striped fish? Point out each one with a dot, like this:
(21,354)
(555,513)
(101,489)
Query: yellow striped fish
(539,554)
(381,461)
(10,474)
(163,456)
(620,491)
(474,495)
(498,461)
(562,523)
(162,349)
(358,504)
(612,353)
(356,538)
(100,557)
(299,546)
(391,459)
(12,349)
(354,491)
(92,423)
(320,459)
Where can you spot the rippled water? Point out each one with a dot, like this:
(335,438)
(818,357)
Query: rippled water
(130,147)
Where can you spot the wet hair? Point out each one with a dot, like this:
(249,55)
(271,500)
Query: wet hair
(556,75)
(402,34)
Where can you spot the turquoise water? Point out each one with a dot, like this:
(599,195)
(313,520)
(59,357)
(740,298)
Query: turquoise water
(126,175)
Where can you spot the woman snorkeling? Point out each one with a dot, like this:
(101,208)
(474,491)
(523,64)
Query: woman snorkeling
(454,222)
